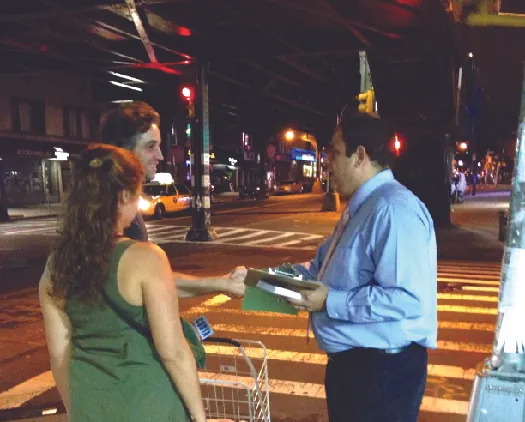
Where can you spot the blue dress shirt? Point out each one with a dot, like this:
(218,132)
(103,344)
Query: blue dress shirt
(382,275)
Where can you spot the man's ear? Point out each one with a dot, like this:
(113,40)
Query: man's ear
(124,196)
(361,155)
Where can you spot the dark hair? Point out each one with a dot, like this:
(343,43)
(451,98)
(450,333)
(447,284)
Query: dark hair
(82,251)
(120,126)
(371,132)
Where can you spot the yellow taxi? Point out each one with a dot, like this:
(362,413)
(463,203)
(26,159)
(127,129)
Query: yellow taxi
(158,199)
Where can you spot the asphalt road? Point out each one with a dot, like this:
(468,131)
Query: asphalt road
(262,234)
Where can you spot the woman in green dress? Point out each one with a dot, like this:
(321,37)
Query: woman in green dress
(110,307)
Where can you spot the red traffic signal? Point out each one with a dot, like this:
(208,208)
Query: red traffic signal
(187,93)
(397,143)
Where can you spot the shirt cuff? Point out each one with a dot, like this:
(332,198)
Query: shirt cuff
(336,304)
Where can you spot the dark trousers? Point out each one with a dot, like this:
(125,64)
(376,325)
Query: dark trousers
(367,385)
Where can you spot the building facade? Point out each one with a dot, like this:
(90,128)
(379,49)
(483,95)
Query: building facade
(292,155)
(44,118)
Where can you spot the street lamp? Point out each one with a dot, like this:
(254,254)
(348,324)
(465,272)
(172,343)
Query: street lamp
(289,135)
(463,146)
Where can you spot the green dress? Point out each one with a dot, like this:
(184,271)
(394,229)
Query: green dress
(115,372)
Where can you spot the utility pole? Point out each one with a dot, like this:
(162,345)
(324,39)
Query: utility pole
(4,215)
(364,70)
(498,394)
(201,229)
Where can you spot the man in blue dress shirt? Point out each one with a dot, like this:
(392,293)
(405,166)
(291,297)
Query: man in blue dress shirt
(376,313)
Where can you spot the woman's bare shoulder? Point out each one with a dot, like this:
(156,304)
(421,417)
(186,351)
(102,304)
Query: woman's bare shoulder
(144,255)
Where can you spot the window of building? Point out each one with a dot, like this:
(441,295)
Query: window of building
(78,123)
(28,116)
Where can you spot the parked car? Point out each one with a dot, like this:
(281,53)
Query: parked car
(158,199)
(288,186)
(254,192)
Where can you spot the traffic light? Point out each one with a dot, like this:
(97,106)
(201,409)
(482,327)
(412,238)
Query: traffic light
(366,101)
(188,94)
(397,144)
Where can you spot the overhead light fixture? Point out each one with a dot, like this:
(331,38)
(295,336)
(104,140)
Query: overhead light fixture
(121,101)
(129,78)
(471,54)
(134,88)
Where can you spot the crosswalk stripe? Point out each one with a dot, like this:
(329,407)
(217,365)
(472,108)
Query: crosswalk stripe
(271,239)
(467,309)
(440,405)
(23,392)
(468,326)
(478,272)
(468,277)
(216,300)
(481,289)
(467,281)
(228,232)
(469,263)
(244,236)
(459,296)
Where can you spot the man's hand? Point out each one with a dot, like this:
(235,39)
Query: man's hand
(313,300)
(233,283)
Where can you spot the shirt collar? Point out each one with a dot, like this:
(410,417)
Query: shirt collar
(366,189)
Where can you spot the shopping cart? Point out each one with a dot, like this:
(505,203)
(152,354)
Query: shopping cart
(233,386)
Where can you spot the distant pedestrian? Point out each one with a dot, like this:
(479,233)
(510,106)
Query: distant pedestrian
(475,180)
(461,185)
(375,314)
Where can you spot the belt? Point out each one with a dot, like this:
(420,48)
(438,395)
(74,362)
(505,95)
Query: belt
(372,351)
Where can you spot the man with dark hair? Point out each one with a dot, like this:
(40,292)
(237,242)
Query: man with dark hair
(375,313)
(135,127)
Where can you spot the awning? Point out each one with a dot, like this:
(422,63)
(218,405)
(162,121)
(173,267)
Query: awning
(40,150)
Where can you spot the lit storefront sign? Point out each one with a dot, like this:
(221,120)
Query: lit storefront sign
(305,157)
(300,154)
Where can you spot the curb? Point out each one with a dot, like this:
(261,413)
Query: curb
(19,217)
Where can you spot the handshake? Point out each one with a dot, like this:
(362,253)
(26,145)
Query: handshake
(280,289)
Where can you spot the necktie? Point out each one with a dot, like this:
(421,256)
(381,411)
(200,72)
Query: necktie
(338,232)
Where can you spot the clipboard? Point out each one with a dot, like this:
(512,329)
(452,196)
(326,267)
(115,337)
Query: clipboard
(253,276)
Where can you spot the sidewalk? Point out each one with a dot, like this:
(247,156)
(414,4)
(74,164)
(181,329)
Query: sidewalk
(34,211)
(52,210)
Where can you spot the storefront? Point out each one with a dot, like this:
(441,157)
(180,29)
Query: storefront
(224,170)
(35,172)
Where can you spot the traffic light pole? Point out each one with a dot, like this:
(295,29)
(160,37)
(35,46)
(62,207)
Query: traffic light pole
(499,387)
(201,229)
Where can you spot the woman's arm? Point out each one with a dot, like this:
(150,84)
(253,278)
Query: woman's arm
(231,284)
(58,335)
(160,299)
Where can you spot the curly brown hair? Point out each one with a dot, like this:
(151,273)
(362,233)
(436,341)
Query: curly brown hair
(121,126)
(82,252)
